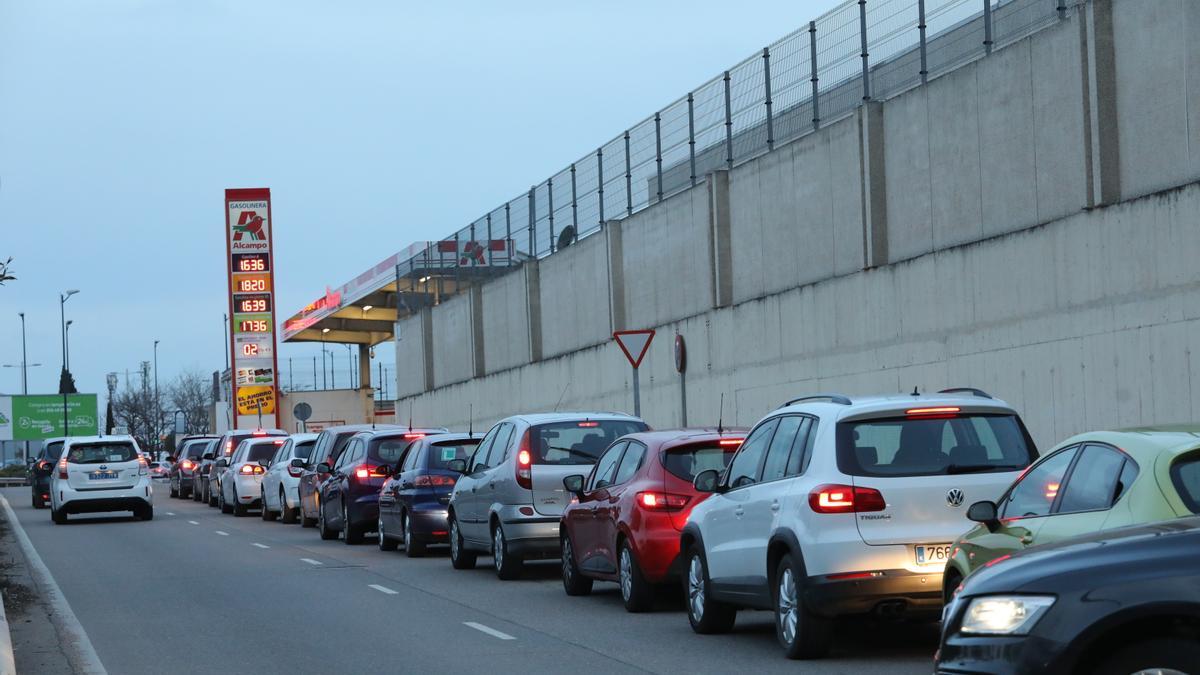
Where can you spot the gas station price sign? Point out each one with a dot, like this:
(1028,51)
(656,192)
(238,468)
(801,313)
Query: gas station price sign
(252,342)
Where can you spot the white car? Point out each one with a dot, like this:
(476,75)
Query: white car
(279,494)
(242,474)
(835,506)
(96,474)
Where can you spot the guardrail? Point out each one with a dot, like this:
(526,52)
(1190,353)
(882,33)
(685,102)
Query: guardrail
(16,481)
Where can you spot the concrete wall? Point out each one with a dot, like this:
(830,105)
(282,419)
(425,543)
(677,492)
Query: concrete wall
(506,318)
(666,258)
(453,347)
(410,356)
(574,297)
(334,406)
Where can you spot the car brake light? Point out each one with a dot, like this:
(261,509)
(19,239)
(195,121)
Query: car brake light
(280,441)
(941,410)
(143,465)
(853,575)
(295,471)
(413,437)
(730,441)
(433,481)
(259,432)
(62,468)
(524,464)
(362,473)
(229,446)
(251,469)
(43,465)
(588,425)
(661,501)
(845,499)
(187,464)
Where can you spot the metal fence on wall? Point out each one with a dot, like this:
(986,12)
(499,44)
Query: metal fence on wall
(860,51)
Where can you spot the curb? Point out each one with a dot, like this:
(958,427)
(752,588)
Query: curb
(75,642)
(8,664)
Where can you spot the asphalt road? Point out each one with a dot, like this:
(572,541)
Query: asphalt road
(195,591)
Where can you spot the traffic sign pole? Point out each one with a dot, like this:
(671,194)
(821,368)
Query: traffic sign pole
(637,394)
(635,343)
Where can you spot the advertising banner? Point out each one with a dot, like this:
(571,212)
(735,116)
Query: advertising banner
(249,398)
(248,228)
(33,418)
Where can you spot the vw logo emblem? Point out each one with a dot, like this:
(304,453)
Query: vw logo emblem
(103,467)
(955,497)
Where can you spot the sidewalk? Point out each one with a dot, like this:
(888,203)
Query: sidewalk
(35,642)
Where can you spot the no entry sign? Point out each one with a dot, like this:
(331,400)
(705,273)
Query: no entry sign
(634,343)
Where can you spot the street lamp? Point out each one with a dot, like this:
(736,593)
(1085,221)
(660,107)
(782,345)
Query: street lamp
(323,351)
(62,314)
(157,405)
(67,337)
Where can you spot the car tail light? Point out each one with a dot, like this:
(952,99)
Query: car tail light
(525,464)
(62,468)
(845,499)
(661,501)
(259,432)
(295,471)
(853,575)
(229,446)
(43,465)
(433,481)
(187,464)
(143,465)
(935,412)
(413,436)
(588,425)
(730,441)
(251,469)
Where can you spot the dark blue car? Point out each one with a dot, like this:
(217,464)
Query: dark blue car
(412,502)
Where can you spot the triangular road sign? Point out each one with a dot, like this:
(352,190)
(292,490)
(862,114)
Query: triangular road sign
(634,343)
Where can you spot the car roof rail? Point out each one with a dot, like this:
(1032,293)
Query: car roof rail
(833,398)
(966,390)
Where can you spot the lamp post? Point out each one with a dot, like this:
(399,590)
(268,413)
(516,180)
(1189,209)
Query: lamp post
(67,338)
(157,406)
(62,314)
(350,361)
(24,362)
(323,350)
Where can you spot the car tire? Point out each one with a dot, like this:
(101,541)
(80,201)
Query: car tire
(950,582)
(225,508)
(801,633)
(707,616)
(146,512)
(351,535)
(508,565)
(58,516)
(212,498)
(636,592)
(196,495)
(460,557)
(287,514)
(385,543)
(574,583)
(1156,655)
(38,502)
(173,492)
(322,528)
(412,547)
(267,514)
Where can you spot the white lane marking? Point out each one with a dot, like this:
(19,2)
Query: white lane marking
(169,513)
(382,589)
(310,561)
(75,640)
(193,522)
(490,631)
(222,533)
(260,545)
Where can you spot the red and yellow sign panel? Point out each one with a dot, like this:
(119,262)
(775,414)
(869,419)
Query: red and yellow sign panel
(251,306)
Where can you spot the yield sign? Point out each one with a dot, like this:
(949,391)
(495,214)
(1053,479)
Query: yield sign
(634,343)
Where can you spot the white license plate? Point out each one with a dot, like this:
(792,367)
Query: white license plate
(102,475)
(936,554)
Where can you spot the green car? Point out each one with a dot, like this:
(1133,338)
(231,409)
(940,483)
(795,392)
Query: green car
(1090,482)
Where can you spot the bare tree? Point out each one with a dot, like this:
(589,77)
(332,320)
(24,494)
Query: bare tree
(191,393)
(133,408)
(6,272)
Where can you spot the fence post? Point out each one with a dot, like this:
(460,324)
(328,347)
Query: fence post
(628,179)
(692,137)
(862,32)
(658,151)
(728,125)
(1061,7)
(532,220)
(574,204)
(766,57)
(921,27)
(507,227)
(550,206)
(600,181)
(489,235)
(987,26)
(812,58)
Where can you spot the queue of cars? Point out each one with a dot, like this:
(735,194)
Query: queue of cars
(827,507)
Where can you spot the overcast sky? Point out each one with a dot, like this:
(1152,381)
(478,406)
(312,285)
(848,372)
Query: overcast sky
(375,124)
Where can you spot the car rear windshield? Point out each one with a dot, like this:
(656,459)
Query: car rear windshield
(933,445)
(52,451)
(688,461)
(389,449)
(101,453)
(193,449)
(442,453)
(577,442)
(260,451)
(303,450)
(1185,473)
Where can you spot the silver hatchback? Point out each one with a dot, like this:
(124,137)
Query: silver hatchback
(510,496)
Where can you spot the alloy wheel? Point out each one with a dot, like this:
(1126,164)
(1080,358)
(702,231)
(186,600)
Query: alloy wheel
(568,560)
(696,588)
(454,551)
(787,607)
(407,533)
(626,574)
(379,528)
(498,548)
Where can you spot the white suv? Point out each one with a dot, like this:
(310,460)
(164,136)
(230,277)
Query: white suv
(835,506)
(95,474)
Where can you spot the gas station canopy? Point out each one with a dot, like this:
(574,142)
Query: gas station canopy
(365,310)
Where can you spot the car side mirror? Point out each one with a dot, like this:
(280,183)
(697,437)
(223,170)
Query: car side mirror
(207,456)
(574,485)
(457,465)
(323,468)
(707,481)
(299,463)
(264,463)
(984,512)
(222,462)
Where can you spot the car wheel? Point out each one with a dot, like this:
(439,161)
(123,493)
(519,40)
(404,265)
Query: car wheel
(37,501)
(460,557)
(212,498)
(146,512)
(322,528)
(802,634)
(286,513)
(706,615)
(950,584)
(574,583)
(350,534)
(637,593)
(174,492)
(267,513)
(508,564)
(239,509)
(224,506)
(58,516)
(195,493)
(1162,655)
(385,543)
(412,547)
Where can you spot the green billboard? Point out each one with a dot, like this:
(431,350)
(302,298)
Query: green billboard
(33,418)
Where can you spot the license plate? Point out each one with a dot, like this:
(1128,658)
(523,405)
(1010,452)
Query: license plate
(102,475)
(936,554)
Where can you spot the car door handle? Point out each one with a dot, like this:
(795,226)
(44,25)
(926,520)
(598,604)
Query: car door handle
(492,485)
(738,512)
(775,505)
(1027,539)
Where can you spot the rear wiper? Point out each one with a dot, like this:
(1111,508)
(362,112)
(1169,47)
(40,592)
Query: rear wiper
(976,468)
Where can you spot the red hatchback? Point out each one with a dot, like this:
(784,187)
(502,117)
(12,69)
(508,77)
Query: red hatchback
(624,524)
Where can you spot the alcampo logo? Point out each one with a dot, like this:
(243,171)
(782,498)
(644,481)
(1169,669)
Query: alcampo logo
(251,224)
(3,419)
